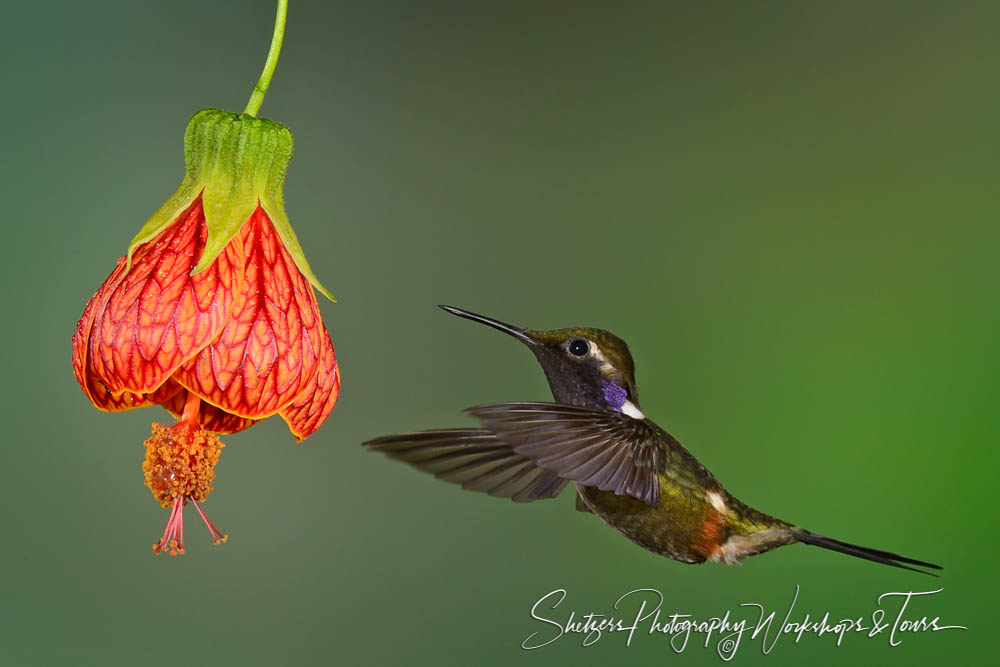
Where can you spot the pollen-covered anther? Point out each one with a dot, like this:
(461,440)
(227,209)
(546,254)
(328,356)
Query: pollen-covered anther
(180,467)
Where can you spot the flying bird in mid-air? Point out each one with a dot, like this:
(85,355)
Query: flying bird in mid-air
(628,471)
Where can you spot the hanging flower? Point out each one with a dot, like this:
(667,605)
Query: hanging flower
(211,313)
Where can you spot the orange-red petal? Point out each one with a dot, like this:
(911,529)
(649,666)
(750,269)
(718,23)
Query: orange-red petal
(313,405)
(270,349)
(98,393)
(81,337)
(149,321)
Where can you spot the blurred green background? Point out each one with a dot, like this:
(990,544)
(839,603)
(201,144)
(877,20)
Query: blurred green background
(788,209)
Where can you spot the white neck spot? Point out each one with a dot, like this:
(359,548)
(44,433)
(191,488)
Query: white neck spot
(629,408)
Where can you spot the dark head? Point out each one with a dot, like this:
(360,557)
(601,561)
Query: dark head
(589,368)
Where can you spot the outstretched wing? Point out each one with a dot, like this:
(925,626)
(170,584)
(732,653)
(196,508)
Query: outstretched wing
(607,450)
(475,458)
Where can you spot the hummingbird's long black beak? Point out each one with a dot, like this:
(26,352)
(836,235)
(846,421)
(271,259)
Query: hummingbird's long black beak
(490,322)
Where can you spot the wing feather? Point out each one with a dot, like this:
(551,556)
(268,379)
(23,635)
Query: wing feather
(608,450)
(474,458)
(528,451)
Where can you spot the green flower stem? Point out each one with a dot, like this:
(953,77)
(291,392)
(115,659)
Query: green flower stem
(260,89)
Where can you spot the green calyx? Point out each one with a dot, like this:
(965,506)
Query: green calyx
(234,161)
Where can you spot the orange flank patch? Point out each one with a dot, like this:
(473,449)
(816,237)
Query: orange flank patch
(710,538)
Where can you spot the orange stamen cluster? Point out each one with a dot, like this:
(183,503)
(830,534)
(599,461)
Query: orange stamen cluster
(180,461)
(180,467)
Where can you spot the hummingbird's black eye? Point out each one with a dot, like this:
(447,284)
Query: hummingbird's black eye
(579,347)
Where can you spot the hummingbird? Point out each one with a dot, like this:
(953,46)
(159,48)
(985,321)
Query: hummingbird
(628,471)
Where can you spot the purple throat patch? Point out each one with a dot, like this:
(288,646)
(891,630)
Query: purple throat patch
(614,395)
